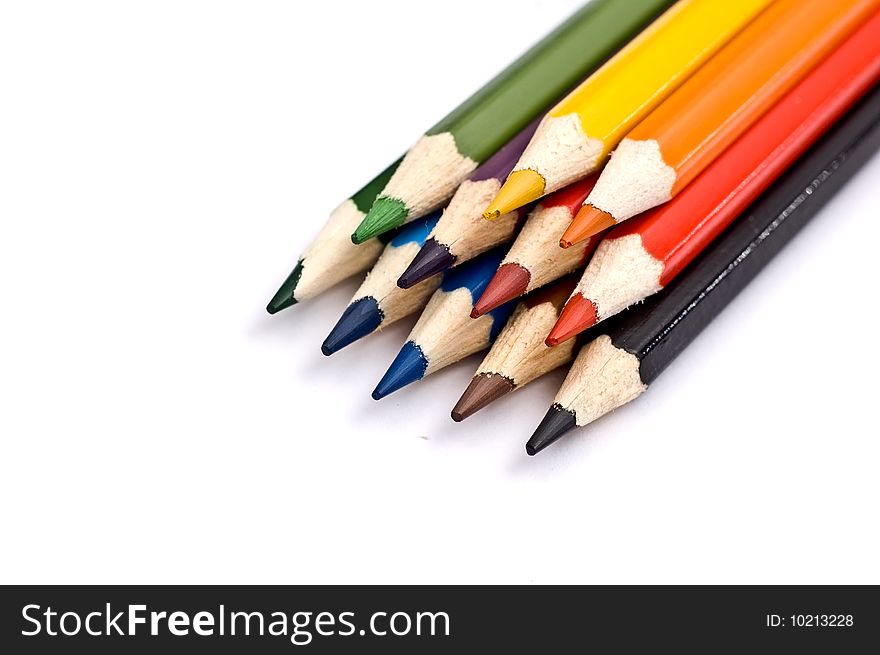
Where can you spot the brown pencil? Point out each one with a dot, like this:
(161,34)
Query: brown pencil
(519,354)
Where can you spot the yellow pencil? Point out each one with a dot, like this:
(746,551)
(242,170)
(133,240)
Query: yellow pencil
(576,136)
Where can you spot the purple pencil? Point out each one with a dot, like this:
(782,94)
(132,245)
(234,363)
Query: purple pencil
(462,233)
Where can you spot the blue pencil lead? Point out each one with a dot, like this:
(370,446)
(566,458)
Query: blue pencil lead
(408,367)
(359,319)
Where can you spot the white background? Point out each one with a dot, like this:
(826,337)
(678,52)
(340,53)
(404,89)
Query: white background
(162,164)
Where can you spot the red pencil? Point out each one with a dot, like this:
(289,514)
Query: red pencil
(641,256)
(535,258)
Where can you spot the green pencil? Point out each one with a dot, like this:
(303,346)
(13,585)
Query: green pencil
(435,166)
(332,257)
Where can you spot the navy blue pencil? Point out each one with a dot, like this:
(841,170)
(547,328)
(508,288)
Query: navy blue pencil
(445,333)
(379,302)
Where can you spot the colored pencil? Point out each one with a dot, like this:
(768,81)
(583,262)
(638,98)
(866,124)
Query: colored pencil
(332,257)
(535,259)
(618,366)
(379,302)
(577,134)
(697,122)
(519,354)
(646,253)
(435,166)
(462,234)
(445,332)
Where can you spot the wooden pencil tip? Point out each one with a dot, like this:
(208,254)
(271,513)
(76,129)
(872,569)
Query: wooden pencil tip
(521,188)
(433,258)
(510,281)
(385,215)
(483,389)
(588,222)
(285,296)
(557,421)
(408,367)
(276,306)
(578,314)
(360,318)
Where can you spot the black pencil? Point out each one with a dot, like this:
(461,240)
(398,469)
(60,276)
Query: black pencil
(618,366)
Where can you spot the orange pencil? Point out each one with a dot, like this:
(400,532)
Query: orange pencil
(639,258)
(697,122)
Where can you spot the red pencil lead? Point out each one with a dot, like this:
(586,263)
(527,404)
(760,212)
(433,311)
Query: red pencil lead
(578,314)
(510,281)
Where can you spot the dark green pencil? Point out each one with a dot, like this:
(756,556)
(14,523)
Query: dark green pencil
(332,257)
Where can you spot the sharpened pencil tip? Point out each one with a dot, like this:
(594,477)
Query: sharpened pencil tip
(284,297)
(385,215)
(557,421)
(588,222)
(275,307)
(578,314)
(408,367)
(360,318)
(433,258)
(510,281)
(520,188)
(483,389)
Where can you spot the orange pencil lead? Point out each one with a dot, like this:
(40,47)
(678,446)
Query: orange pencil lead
(588,222)
(698,121)
(578,314)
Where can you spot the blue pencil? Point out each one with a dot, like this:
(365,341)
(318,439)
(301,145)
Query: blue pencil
(379,302)
(445,333)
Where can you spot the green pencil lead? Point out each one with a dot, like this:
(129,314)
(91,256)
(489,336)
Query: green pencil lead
(284,297)
(385,215)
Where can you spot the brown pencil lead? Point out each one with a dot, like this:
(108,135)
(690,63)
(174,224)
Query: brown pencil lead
(485,388)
